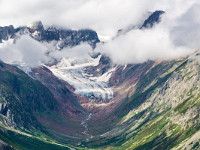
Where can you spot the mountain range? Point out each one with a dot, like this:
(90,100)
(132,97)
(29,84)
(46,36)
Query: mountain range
(89,102)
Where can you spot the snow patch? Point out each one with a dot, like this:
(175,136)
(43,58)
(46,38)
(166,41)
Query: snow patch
(24,67)
(105,77)
(104,38)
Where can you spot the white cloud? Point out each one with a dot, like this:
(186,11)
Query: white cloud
(177,35)
(80,51)
(139,46)
(32,53)
(104,16)
(26,50)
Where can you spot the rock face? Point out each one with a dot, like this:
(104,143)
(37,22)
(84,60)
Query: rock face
(64,37)
(20,97)
(6,32)
(153,19)
(4,146)
(70,37)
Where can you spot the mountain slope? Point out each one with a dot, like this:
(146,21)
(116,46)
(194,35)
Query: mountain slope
(21,96)
(22,101)
(160,111)
(161,115)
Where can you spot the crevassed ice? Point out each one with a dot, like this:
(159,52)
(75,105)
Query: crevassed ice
(72,71)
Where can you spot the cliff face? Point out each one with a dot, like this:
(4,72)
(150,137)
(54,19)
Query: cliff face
(64,37)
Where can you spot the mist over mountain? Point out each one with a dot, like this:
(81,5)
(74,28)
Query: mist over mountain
(162,41)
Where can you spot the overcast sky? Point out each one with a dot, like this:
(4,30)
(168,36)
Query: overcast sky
(177,35)
(104,16)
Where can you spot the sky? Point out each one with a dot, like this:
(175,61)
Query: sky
(177,34)
(103,16)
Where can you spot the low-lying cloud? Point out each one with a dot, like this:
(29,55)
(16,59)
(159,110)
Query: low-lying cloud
(81,51)
(139,46)
(103,16)
(25,50)
(29,52)
(177,35)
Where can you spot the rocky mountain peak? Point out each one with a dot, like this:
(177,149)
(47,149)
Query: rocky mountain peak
(148,23)
(37,25)
(64,37)
(6,32)
(152,19)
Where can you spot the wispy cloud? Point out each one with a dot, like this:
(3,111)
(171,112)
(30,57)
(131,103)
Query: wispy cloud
(26,50)
(30,52)
(104,16)
(177,35)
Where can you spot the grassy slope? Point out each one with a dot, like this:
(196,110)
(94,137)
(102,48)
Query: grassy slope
(150,129)
(29,142)
(160,132)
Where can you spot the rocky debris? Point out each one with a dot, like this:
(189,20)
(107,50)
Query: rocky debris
(104,65)
(84,124)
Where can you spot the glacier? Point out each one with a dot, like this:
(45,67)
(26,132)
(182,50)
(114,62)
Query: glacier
(72,70)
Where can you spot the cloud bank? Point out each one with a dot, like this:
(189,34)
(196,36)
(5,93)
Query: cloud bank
(104,16)
(25,50)
(177,35)
(29,52)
